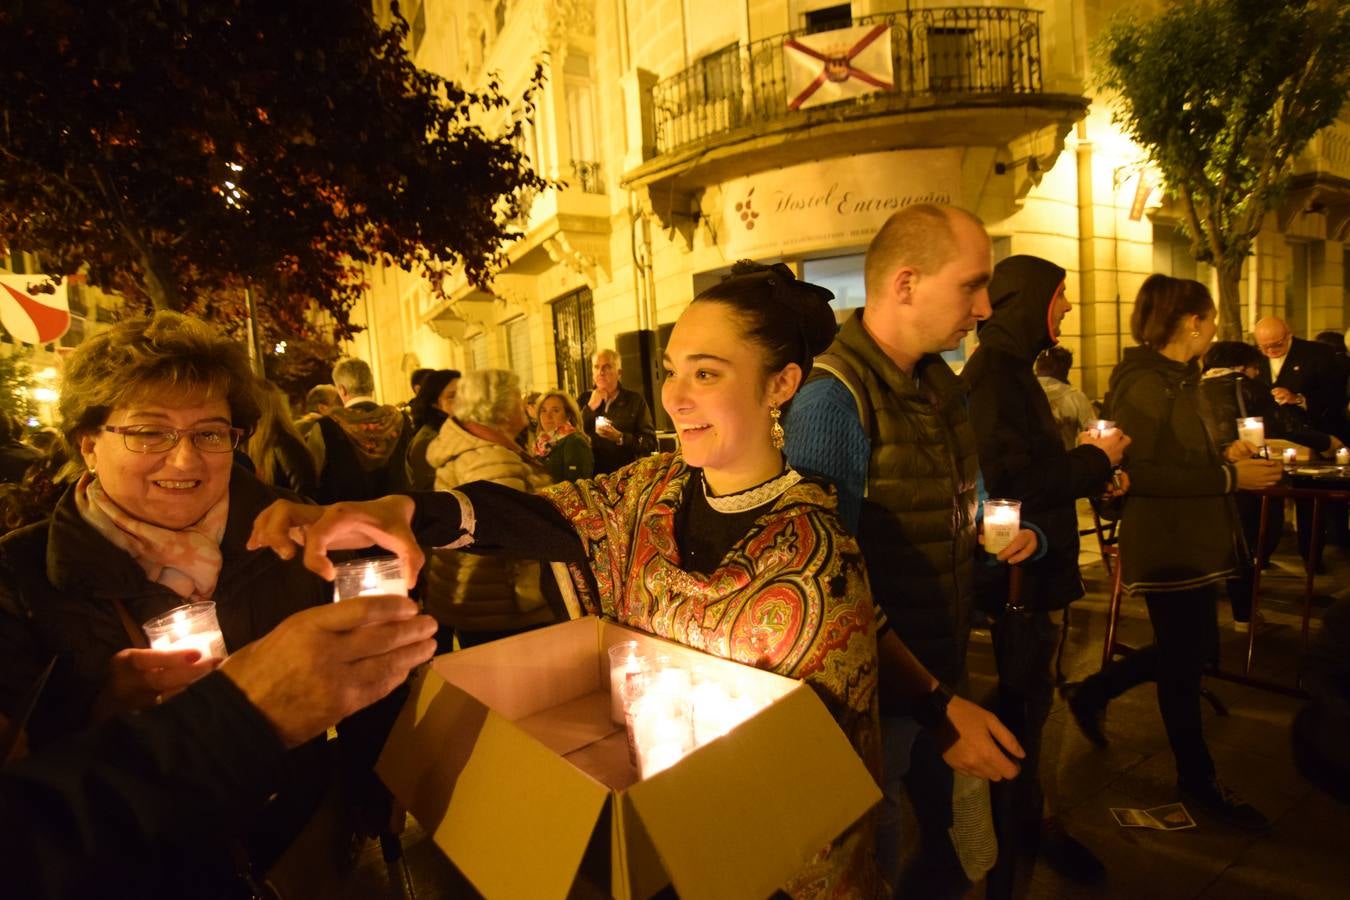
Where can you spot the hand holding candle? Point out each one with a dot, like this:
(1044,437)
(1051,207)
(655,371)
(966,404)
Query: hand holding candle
(1106,437)
(1002,520)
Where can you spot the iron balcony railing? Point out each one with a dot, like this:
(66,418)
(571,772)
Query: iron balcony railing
(935,53)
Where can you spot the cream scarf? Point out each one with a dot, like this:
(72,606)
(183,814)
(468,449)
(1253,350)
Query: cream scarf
(185,561)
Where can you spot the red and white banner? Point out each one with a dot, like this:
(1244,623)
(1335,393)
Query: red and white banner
(836,65)
(29,316)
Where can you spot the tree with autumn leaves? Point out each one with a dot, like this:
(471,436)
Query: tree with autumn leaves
(1223,95)
(178,151)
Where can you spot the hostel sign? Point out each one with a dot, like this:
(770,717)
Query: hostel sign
(832,203)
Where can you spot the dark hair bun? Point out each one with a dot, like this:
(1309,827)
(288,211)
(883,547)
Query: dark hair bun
(807,304)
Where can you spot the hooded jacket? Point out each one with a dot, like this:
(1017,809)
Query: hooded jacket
(1021,453)
(1179,528)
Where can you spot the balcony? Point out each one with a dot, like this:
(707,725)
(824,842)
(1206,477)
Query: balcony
(958,75)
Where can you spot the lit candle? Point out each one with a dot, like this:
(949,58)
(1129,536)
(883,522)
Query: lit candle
(1290,456)
(1343,457)
(1252,430)
(717,711)
(190,627)
(1002,519)
(623,661)
(1104,427)
(381,575)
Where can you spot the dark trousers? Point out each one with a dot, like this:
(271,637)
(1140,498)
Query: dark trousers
(1024,651)
(1184,636)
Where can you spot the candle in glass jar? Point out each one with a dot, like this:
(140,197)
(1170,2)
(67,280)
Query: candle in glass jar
(1252,430)
(1343,457)
(1002,519)
(1290,456)
(190,627)
(623,661)
(380,575)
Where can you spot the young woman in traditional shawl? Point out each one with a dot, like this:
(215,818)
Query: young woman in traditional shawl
(720,546)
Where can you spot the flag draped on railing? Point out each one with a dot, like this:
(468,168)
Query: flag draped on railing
(836,65)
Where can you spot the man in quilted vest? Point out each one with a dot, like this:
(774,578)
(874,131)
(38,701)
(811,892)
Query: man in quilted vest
(886,421)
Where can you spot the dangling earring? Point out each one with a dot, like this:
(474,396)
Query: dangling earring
(776,435)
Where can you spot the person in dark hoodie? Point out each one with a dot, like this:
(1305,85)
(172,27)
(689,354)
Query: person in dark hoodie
(362,448)
(1179,535)
(1022,457)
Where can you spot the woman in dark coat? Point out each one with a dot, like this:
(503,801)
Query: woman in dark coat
(433,404)
(158,518)
(1179,537)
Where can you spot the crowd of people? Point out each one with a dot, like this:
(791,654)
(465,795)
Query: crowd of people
(821,518)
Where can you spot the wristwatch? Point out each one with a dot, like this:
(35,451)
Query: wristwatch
(931,709)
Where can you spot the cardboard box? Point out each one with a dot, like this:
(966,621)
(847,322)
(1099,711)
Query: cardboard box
(506,755)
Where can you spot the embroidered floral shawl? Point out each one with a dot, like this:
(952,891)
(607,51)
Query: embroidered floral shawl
(790,597)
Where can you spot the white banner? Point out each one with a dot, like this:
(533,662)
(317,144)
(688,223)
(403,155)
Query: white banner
(832,203)
(30,316)
(836,65)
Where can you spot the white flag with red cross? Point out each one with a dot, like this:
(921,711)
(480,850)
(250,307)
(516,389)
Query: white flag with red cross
(29,315)
(836,65)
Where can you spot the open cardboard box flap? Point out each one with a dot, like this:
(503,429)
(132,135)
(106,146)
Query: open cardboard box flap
(506,756)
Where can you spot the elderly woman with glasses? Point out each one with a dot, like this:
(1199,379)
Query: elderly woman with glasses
(152,409)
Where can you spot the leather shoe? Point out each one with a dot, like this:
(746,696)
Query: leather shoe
(1089,714)
(1222,802)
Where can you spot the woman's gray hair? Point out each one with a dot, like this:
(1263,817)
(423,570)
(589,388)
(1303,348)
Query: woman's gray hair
(487,397)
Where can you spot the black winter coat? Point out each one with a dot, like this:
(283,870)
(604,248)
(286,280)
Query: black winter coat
(1179,528)
(1021,454)
(58,579)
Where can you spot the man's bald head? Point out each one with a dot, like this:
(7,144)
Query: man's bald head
(922,237)
(1272,336)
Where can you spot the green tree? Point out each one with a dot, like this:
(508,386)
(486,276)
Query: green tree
(1223,95)
(178,150)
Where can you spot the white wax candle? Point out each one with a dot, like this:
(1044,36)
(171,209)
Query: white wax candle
(617,676)
(1290,456)
(1252,430)
(1104,427)
(1343,457)
(1002,520)
(211,644)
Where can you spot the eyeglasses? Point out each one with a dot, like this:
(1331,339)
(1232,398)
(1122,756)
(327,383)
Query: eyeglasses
(153,439)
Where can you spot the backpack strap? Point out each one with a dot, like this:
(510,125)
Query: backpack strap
(839,367)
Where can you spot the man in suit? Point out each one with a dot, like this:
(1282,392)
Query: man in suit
(1302,374)
(1306,377)
(618,420)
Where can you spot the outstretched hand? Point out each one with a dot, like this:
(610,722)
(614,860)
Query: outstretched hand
(324,663)
(983,747)
(287,527)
